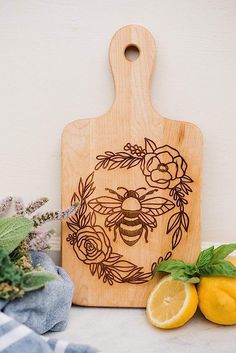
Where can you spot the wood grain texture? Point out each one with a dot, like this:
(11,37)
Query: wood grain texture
(168,163)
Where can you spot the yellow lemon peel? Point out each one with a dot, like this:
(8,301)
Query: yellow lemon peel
(171,303)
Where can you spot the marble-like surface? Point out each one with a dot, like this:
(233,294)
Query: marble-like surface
(127,331)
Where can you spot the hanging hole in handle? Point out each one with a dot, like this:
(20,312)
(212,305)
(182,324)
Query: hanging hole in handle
(132,52)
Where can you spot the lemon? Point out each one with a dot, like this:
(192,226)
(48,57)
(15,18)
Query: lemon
(171,303)
(217,298)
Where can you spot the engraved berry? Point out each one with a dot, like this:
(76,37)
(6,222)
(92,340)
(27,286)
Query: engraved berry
(127,146)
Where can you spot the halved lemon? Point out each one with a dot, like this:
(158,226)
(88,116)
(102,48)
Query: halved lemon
(171,303)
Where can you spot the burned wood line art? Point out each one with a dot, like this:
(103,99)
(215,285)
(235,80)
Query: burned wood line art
(131,213)
(163,168)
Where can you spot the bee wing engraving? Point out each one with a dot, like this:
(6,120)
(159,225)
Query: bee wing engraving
(148,220)
(105,205)
(113,219)
(156,206)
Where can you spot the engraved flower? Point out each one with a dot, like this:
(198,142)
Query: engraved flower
(163,167)
(92,245)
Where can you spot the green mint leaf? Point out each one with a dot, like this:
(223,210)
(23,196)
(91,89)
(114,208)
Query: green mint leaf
(222,251)
(179,270)
(179,275)
(12,231)
(210,262)
(205,257)
(37,279)
(191,269)
(193,280)
(9,272)
(221,268)
(169,266)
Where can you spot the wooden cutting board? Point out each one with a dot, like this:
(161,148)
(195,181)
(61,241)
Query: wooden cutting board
(137,175)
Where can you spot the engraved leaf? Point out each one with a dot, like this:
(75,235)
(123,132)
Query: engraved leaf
(100,270)
(110,281)
(116,276)
(89,179)
(72,227)
(186,188)
(82,221)
(176,238)
(187,179)
(173,222)
(134,163)
(83,208)
(74,219)
(168,255)
(89,191)
(113,258)
(171,192)
(139,277)
(150,146)
(87,220)
(118,158)
(125,163)
(99,165)
(109,153)
(80,187)
(124,154)
(101,157)
(93,268)
(75,198)
(106,163)
(93,219)
(185,221)
(134,272)
(113,165)
(123,266)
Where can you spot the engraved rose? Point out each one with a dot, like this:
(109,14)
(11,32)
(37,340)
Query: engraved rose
(92,245)
(163,167)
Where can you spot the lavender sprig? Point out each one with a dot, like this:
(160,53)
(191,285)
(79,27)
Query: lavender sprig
(56,215)
(35,205)
(39,241)
(5,204)
(19,206)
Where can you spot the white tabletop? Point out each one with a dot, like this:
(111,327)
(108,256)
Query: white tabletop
(128,331)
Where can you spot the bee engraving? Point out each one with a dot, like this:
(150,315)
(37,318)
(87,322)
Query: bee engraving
(131,213)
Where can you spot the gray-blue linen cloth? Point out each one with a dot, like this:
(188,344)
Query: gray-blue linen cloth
(18,338)
(45,309)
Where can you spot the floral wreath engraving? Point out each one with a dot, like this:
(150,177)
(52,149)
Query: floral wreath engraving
(163,168)
(93,247)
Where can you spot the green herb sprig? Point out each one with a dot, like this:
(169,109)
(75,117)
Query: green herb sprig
(15,279)
(14,282)
(210,262)
(18,235)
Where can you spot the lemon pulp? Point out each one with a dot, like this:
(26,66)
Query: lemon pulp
(172,303)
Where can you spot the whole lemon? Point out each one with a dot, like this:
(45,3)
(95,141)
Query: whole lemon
(217,298)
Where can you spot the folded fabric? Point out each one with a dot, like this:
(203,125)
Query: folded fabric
(18,338)
(46,309)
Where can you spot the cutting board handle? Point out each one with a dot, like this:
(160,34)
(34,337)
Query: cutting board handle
(132,78)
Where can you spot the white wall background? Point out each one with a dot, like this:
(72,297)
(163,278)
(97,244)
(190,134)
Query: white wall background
(54,68)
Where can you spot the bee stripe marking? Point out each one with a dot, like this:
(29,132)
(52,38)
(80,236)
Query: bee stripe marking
(130,242)
(131,221)
(131,231)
